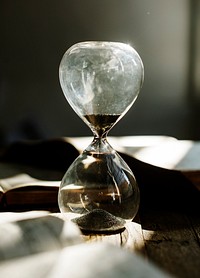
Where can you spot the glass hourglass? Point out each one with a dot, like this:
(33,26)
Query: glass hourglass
(101,81)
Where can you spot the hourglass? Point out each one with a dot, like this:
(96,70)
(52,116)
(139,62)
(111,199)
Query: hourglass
(101,81)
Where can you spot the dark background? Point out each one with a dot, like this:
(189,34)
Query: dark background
(35,34)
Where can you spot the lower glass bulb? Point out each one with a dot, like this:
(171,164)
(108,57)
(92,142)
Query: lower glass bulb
(99,191)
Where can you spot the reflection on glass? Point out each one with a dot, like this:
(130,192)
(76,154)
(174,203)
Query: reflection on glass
(101,81)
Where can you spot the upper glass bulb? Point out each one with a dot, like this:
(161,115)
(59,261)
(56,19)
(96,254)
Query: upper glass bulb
(101,78)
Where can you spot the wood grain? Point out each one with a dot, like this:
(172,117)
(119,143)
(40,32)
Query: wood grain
(168,240)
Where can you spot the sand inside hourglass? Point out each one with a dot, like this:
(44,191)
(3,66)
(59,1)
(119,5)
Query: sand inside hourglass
(101,123)
(99,197)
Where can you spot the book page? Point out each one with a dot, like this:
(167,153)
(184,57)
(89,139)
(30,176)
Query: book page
(183,155)
(161,151)
(23,180)
(22,192)
(86,260)
(34,232)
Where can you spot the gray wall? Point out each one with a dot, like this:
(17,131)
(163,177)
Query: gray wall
(35,35)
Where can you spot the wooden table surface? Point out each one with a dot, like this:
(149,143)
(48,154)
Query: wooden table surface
(171,240)
(168,236)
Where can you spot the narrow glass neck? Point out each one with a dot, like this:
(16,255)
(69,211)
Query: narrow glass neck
(100,136)
(99,133)
(100,145)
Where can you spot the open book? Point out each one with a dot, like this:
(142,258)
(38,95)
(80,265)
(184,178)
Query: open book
(30,174)
(167,170)
(39,244)
(22,192)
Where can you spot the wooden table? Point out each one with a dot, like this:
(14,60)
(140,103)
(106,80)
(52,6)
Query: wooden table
(168,237)
(171,240)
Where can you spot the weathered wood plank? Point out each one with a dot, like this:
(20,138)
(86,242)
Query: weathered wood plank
(135,241)
(195,223)
(171,240)
(131,238)
(171,243)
